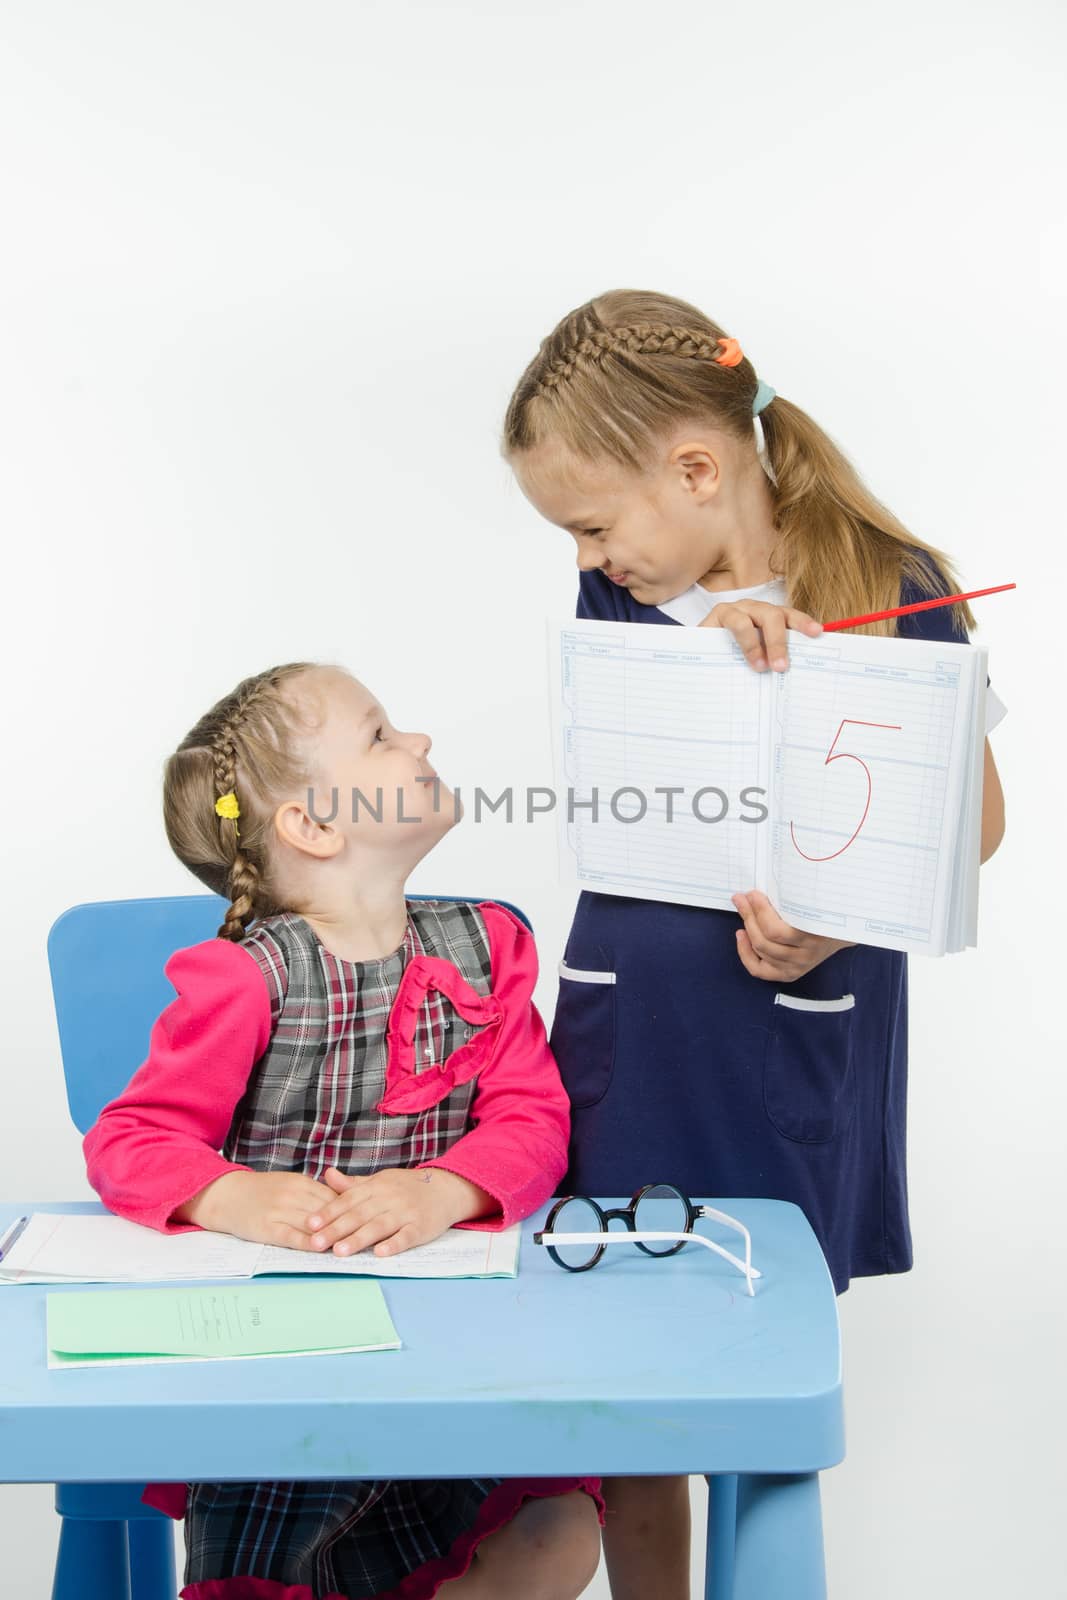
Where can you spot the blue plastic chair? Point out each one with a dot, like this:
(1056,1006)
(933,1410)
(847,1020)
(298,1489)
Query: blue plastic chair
(106,960)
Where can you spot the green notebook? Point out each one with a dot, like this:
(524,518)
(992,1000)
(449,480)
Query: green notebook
(116,1327)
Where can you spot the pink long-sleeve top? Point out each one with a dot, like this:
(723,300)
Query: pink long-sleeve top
(157,1144)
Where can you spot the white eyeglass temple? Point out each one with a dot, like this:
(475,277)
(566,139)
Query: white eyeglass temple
(729,1222)
(744,1266)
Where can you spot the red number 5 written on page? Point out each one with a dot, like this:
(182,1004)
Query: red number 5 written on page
(845,755)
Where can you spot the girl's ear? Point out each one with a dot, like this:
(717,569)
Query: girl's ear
(697,469)
(309,830)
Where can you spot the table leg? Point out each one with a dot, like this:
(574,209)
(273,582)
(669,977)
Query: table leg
(722,1527)
(152,1571)
(778,1553)
(93,1562)
(111,1545)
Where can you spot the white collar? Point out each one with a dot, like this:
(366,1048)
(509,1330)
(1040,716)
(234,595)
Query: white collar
(691,607)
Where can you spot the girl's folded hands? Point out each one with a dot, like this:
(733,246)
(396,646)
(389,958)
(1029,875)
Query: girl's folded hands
(393,1210)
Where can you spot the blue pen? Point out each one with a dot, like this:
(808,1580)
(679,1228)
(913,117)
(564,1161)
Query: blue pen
(13,1234)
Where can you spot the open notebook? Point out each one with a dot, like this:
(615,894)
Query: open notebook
(85,1247)
(848,789)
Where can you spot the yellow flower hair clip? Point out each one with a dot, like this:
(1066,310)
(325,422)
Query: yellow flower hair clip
(226,806)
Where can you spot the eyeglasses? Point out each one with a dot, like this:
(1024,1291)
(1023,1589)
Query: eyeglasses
(659,1220)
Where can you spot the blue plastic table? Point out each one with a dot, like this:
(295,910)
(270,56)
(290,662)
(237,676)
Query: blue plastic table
(640,1366)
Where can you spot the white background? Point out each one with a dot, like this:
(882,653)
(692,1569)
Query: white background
(269,274)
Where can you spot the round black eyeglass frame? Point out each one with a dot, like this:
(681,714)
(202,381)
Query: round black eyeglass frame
(627,1214)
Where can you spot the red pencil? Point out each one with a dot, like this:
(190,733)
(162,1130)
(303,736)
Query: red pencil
(920,605)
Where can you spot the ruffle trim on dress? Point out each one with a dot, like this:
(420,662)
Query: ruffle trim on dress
(495,1511)
(406,1091)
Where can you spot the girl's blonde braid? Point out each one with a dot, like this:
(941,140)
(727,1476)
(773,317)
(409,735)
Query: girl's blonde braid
(245,876)
(640,339)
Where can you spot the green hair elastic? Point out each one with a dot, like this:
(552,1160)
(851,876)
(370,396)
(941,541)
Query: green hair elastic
(763,397)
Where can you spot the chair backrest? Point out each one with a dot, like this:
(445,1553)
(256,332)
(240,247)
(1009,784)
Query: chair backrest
(106,961)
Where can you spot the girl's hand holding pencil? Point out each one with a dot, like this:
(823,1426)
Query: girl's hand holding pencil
(760,628)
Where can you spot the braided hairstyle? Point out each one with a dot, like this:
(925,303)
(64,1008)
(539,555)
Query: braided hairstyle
(248,745)
(617,372)
(617,376)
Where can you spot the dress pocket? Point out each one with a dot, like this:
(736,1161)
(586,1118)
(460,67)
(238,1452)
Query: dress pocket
(809,1088)
(583,1033)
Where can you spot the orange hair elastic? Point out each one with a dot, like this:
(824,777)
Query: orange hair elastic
(732,354)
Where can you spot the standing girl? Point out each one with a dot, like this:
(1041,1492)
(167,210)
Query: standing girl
(726,1055)
(374,1072)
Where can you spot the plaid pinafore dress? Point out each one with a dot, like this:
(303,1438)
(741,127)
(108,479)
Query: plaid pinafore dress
(311,1102)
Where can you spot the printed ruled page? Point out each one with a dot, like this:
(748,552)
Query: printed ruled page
(871,744)
(641,709)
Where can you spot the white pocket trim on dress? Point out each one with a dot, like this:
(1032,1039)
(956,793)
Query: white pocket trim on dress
(795,1002)
(576,975)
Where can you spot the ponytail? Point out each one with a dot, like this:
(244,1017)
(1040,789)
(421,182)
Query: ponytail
(841,551)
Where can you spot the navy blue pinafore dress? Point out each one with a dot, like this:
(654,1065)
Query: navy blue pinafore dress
(683,1068)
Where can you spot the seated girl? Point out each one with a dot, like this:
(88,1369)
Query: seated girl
(373,1072)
